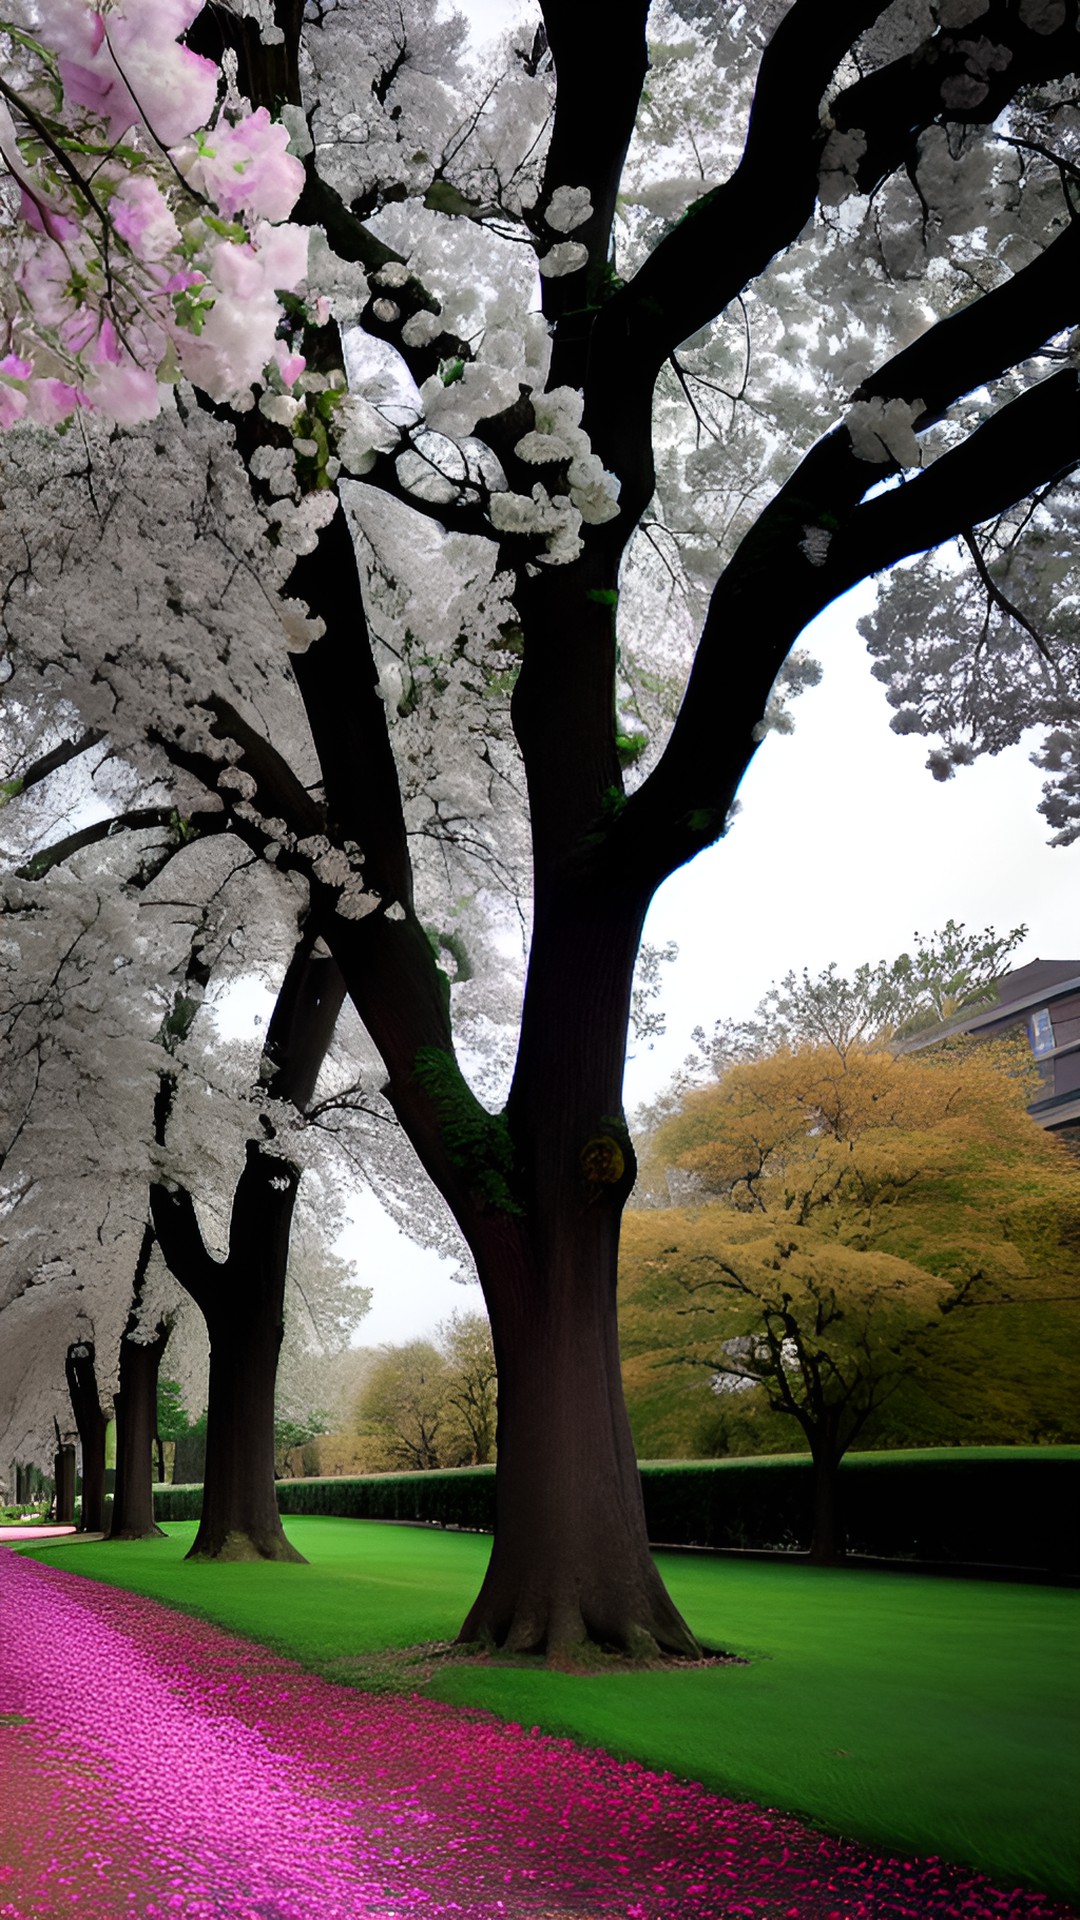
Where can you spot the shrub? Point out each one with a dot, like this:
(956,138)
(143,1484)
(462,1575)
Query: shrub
(993,1506)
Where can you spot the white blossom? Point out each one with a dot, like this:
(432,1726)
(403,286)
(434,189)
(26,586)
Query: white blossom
(333,868)
(282,408)
(569,207)
(277,466)
(235,780)
(355,904)
(593,489)
(881,431)
(360,433)
(421,328)
(567,256)
(300,140)
(301,631)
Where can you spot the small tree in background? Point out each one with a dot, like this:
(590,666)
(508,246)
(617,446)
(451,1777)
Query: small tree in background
(402,1407)
(849,1205)
(290,1436)
(465,1340)
(432,1403)
(172,1419)
(946,973)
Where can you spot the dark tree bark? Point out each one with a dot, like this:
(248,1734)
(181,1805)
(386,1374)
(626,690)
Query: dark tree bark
(64,1477)
(91,1423)
(570,1565)
(828,1545)
(242,1297)
(136,1417)
(538,1191)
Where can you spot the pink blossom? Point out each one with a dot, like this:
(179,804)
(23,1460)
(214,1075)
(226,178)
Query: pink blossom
(45,280)
(238,336)
(34,205)
(51,401)
(107,346)
(245,167)
(142,216)
(308,1801)
(123,391)
(290,365)
(12,405)
(283,254)
(126,66)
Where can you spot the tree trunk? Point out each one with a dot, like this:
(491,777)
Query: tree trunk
(136,1416)
(827,1546)
(136,1420)
(240,1518)
(570,1563)
(64,1475)
(242,1299)
(91,1423)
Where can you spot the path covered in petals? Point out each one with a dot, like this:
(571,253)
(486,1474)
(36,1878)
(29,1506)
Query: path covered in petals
(152,1765)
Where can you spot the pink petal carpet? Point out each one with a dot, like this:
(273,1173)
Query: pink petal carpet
(154,1766)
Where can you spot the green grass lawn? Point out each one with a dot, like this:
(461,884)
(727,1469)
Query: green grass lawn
(921,1715)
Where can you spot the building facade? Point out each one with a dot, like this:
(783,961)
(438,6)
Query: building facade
(1044,999)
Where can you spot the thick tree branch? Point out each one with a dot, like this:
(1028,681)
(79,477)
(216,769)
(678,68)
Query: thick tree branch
(391,972)
(279,795)
(182,1245)
(1033,440)
(982,340)
(729,236)
(717,730)
(302,1023)
(262,1211)
(138,820)
(967,75)
(339,686)
(48,763)
(601,59)
(726,240)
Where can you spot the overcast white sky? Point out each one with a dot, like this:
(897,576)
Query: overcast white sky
(844,848)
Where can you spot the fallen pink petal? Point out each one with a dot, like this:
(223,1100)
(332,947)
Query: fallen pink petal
(155,1766)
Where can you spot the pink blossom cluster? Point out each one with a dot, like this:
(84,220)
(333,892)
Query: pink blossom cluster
(150,238)
(155,1766)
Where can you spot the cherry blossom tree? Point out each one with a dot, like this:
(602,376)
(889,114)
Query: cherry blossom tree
(408,543)
(56,1068)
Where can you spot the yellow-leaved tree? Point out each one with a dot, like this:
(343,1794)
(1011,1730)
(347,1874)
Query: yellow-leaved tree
(841,1221)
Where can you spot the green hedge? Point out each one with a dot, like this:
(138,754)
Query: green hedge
(450,1497)
(990,1506)
(456,1497)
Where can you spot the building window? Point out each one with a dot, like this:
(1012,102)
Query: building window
(1042,1033)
